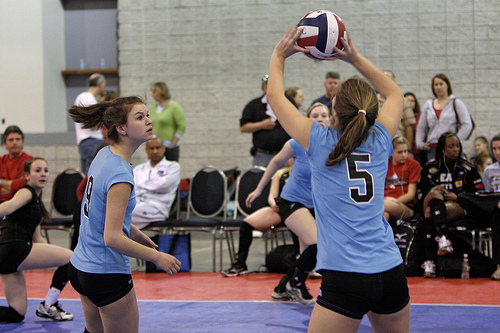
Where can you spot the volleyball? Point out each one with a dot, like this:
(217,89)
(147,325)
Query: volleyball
(321,32)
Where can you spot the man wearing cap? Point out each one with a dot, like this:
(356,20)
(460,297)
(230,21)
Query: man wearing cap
(268,137)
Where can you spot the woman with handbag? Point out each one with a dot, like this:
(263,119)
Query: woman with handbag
(444,113)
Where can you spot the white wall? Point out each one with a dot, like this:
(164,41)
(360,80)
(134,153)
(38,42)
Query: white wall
(212,55)
(32,56)
(53,62)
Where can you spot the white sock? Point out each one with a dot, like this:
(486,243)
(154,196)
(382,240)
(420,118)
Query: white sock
(52,296)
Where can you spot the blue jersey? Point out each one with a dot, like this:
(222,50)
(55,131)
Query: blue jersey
(298,186)
(91,255)
(353,235)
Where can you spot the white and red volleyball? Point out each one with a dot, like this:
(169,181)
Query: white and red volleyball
(321,32)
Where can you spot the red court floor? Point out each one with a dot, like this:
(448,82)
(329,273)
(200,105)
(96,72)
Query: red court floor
(259,286)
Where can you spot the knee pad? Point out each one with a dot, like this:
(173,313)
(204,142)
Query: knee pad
(9,315)
(307,260)
(438,213)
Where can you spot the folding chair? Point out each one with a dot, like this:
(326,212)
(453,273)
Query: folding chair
(206,201)
(245,184)
(63,202)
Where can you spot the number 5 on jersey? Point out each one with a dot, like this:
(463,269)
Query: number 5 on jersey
(358,196)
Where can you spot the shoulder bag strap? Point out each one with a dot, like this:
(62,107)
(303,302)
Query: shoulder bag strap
(173,244)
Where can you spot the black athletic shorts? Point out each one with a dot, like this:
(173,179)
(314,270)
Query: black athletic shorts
(288,207)
(12,254)
(100,289)
(354,294)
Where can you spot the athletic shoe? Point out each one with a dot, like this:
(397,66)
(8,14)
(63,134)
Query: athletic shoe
(314,275)
(429,269)
(300,294)
(236,269)
(444,246)
(54,312)
(496,275)
(280,295)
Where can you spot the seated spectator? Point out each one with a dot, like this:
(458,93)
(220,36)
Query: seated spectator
(487,206)
(156,183)
(441,181)
(481,147)
(481,162)
(12,163)
(403,175)
(261,219)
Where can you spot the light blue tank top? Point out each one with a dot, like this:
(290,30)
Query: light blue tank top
(353,235)
(91,254)
(298,186)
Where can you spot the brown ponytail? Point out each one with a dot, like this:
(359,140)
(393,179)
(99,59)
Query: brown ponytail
(108,114)
(353,95)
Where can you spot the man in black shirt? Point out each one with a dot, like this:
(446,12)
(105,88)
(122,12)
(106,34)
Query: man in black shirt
(268,137)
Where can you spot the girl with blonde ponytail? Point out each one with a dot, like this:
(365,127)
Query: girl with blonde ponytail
(361,266)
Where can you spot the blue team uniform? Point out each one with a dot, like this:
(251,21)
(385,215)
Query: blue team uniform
(91,254)
(353,235)
(298,186)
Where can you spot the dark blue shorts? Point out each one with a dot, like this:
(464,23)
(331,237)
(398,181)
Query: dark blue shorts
(354,294)
(100,289)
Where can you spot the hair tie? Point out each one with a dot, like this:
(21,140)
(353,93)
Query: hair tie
(362,111)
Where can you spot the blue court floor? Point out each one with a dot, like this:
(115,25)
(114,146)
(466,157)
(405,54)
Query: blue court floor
(254,316)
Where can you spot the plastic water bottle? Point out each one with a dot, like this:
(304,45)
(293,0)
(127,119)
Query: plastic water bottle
(103,63)
(465,267)
(82,64)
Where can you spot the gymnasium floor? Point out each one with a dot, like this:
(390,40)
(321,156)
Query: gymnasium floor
(206,302)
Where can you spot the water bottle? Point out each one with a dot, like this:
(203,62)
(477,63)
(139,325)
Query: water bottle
(465,267)
(82,64)
(103,63)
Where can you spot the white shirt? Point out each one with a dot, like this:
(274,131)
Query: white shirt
(157,185)
(86,99)
(491,178)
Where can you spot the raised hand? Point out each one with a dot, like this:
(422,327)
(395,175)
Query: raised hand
(288,43)
(348,54)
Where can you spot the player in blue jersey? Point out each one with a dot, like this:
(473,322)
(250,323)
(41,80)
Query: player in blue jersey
(296,209)
(360,263)
(100,268)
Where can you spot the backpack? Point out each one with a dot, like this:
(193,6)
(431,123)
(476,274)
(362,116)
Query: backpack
(408,236)
(459,123)
(279,259)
